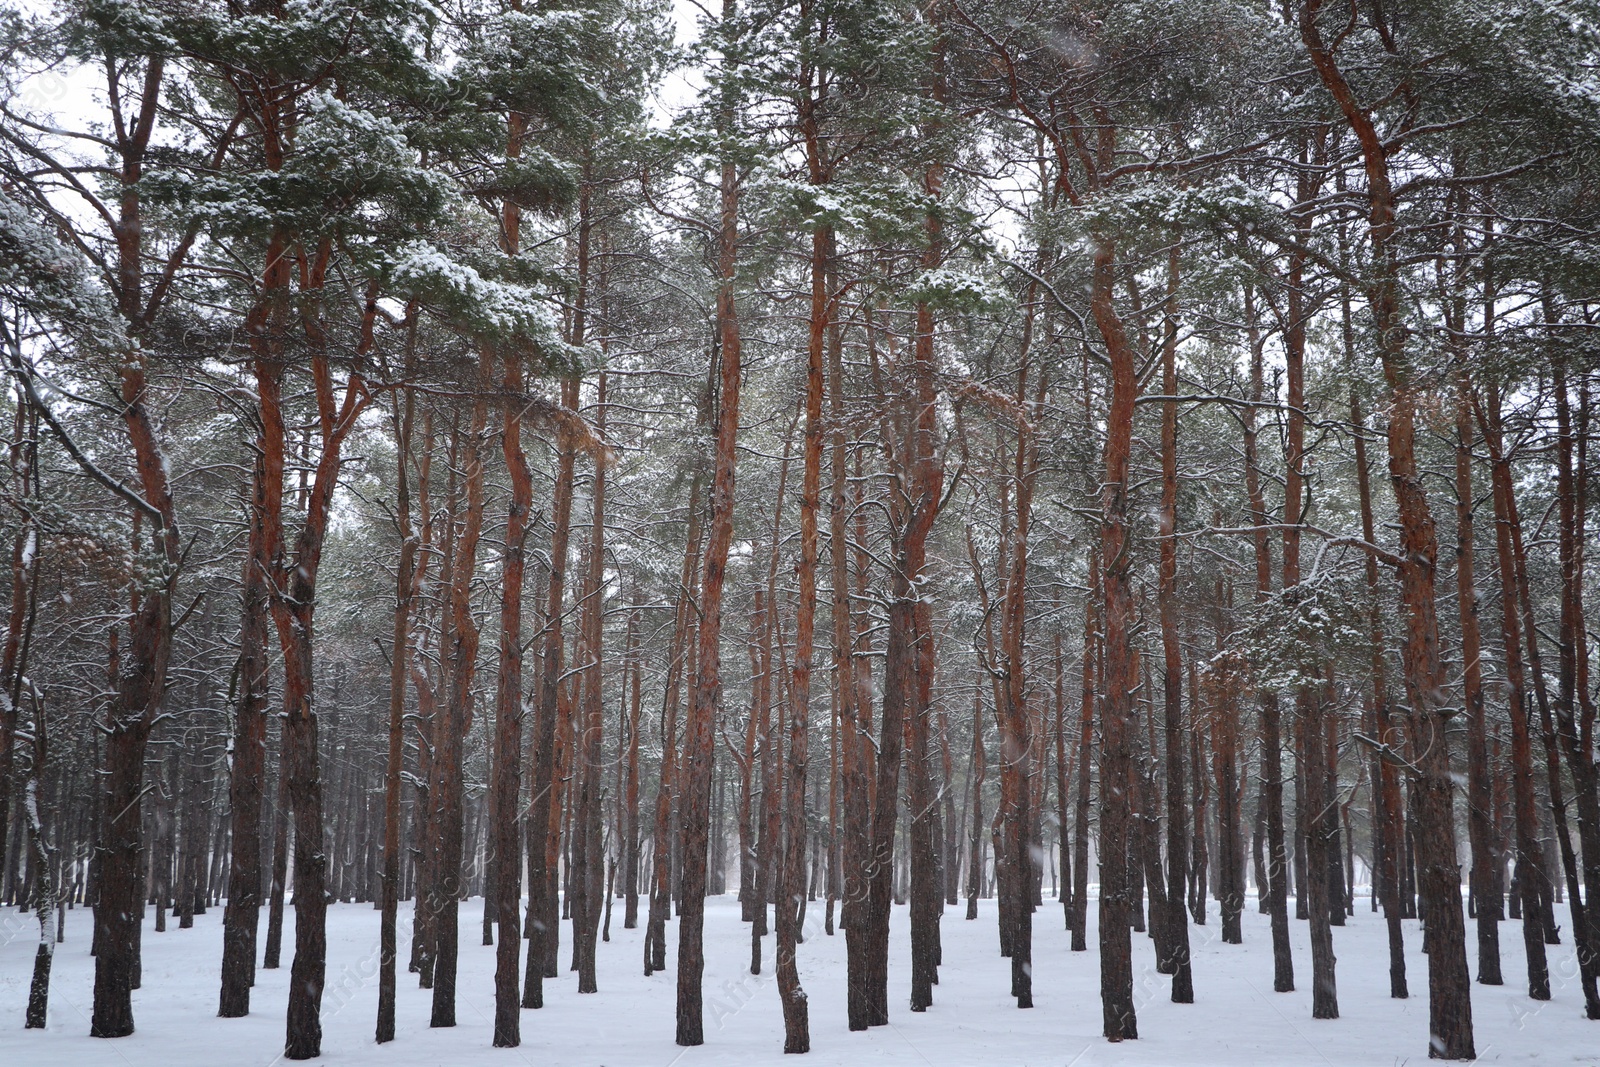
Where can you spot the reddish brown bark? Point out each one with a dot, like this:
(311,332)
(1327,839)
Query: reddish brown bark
(706,698)
(1120,680)
(1449,982)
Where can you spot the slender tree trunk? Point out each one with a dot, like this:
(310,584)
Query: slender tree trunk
(1063,776)
(24,552)
(1572,695)
(247,781)
(699,749)
(1120,678)
(587,828)
(458,661)
(796,1018)
(1224,683)
(1388,830)
(388,951)
(979,770)
(1480,797)
(42,893)
(1318,813)
(630,779)
(1093,653)
(854,714)
(272,950)
(1449,981)
(1172,656)
(543,811)
(677,668)
(1276,869)
(142,668)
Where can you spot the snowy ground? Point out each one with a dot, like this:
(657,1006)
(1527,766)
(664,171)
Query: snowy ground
(1236,1019)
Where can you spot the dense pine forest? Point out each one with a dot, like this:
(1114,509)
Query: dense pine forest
(1112,471)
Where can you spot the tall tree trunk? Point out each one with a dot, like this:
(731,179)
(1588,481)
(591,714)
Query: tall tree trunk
(293,610)
(1172,655)
(1120,679)
(247,781)
(1093,654)
(1277,867)
(1449,981)
(142,667)
(979,767)
(1224,685)
(458,661)
(1530,872)
(1572,694)
(909,682)
(543,919)
(42,892)
(1063,776)
(1480,794)
(24,554)
(662,847)
(796,1017)
(587,829)
(699,749)
(630,778)
(1318,814)
(854,714)
(506,767)
(388,951)
(1388,830)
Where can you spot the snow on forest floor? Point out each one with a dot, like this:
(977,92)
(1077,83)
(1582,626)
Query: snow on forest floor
(1236,1019)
